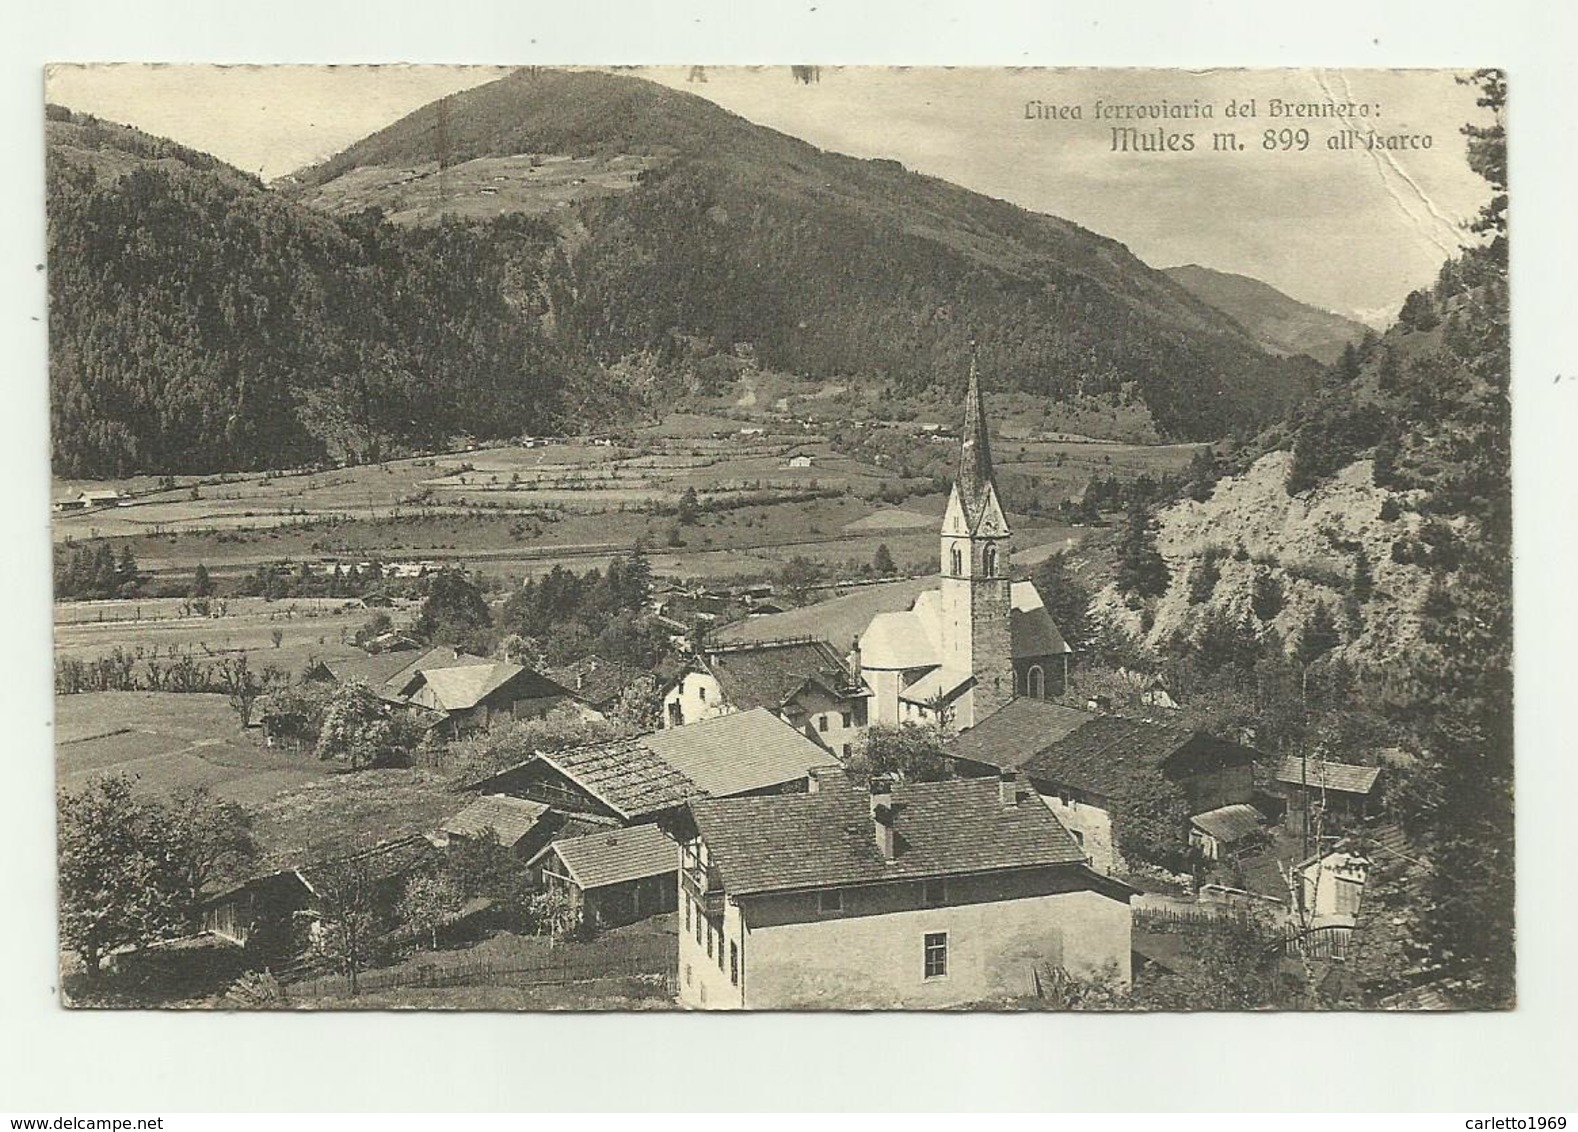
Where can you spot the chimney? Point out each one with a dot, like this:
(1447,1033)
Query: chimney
(882,815)
(1008,787)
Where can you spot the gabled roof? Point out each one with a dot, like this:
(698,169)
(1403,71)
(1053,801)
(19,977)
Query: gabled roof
(614,856)
(624,775)
(385,860)
(1032,632)
(1017,731)
(375,670)
(900,640)
(783,842)
(1099,754)
(729,754)
(839,620)
(511,818)
(1229,823)
(770,673)
(463,687)
(735,753)
(912,638)
(596,681)
(440,657)
(939,683)
(1105,754)
(1321,775)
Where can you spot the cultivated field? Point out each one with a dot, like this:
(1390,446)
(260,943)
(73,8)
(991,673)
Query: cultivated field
(169,741)
(515,511)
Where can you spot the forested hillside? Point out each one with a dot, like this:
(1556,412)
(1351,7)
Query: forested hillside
(828,266)
(200,322)
(1279,322)
(1345,585)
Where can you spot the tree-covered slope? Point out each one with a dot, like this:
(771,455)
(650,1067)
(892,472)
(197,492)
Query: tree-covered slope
(829,266)
(198,321)
(1280,323)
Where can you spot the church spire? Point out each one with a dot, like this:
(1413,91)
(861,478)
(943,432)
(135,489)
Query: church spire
(975,482)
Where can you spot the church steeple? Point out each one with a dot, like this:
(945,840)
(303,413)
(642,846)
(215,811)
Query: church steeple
(975,452)
(974,509)
(976,618)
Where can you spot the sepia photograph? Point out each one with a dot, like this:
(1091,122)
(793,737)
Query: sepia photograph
(780,538)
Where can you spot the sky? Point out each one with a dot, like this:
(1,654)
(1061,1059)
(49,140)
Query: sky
(1351,230)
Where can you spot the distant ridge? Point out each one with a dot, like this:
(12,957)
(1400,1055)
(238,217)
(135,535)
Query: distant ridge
(687,229)
(1281,324)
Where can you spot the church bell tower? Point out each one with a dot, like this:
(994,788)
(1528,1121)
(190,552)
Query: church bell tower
(975,587)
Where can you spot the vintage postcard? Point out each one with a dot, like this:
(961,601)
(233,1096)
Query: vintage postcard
(781,538)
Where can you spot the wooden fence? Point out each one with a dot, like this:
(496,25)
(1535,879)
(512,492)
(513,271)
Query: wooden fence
(564,963)
(1319,943)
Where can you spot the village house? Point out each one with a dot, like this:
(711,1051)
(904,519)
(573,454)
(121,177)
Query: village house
(965,649)
(596,683)
(804,682)
(651,777)
(1082,763)
(451,690)
(1219,834)
(612,876)
(276,918)
(521,825)
(1338,791)
(883,895)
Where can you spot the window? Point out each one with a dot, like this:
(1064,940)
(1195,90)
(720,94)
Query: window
(720,949)
(830,900)
(687,913)
(698,927)
(709,941)
(956,559)
(936,892)
(936,948)
(701,693)
(989,562)
(734,964)
(821,723)
(687,974)
(846,750)
(849,719)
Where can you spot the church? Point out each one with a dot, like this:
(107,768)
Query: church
(979,640)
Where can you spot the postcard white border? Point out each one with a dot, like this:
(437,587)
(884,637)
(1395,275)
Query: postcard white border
(55,1061)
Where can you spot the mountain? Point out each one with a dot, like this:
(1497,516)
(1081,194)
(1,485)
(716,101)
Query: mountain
(500,260)
(1282,325)
(687,230)
(200,322)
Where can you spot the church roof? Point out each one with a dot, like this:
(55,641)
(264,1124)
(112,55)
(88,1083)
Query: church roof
(1031,628)
(939,683)
(913,638)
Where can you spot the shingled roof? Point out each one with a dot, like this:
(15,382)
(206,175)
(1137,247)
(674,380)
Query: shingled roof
(625,775)
(511,818)
(768,674)
(1103,756)
(736,753)
(596,680)
(1229,823)
(784,842)
(1321,775)
(614,856)
(1017,732)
